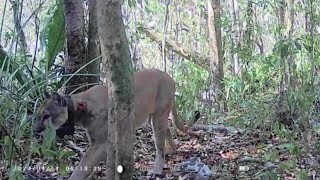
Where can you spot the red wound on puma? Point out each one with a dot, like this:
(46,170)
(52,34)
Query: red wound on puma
(82,106)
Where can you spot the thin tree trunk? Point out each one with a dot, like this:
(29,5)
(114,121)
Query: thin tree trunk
(235,37)
(93,43)
(282,63)
(117,66)
(258,38)
(247,43)
(248,36)
(215,49)
(197,43)
(75,43)
(310,28)
(291,65)
(17,25)
(164,32)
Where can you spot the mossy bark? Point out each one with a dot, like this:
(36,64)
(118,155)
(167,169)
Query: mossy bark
(117,68)
(215,49)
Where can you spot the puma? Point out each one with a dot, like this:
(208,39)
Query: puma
(154,92)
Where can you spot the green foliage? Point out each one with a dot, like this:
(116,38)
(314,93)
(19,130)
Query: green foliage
(49,138)
(270,175)
(17,115)
(9,67)
(52,33)
(190,81)
(317,147)
(15,174)
(294,149)
(21,91)
(281,130)
(302,174)
(132,3)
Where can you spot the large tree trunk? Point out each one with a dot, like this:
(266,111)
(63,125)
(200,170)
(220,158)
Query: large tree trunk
(215,49)
(118,68)
(93,44)
(75,44)
(74,53)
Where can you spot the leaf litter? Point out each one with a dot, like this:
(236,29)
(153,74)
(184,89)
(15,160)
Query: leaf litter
(205,152)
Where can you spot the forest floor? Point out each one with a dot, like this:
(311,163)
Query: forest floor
(208,152)
(230,153)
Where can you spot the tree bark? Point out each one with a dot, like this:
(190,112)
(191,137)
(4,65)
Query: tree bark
(164,32)
(75,43)
(93,44)
(310,29)
(235,37)
(215,49)
(291,65)
(247,43)
(118,68)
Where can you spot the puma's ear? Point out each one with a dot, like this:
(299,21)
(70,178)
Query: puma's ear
(59,99)
(197,115)
(63,102)
(46,94)
(56,97)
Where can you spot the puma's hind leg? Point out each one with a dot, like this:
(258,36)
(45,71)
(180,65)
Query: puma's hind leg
(170,146)
(159,126)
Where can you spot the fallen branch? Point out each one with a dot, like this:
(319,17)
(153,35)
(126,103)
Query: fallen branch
(187,53)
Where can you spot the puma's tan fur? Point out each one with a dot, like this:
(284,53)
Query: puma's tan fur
(153,101)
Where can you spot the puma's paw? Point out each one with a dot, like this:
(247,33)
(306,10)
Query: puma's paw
(157,166)
(154,171)
(170,150)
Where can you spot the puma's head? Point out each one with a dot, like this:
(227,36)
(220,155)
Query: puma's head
(52,112)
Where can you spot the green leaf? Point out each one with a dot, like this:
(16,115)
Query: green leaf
(316,129)
(49,137)
(298,45)
(15,174)
(36,149)
(272,175)
(8,65)
(65,153)
(23,118)
(52,33)
(132,3)
(293,148)
(63,169)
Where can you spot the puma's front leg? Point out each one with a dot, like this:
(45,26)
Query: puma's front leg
(93,156)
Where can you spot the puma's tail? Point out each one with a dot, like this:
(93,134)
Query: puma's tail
(179,125)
